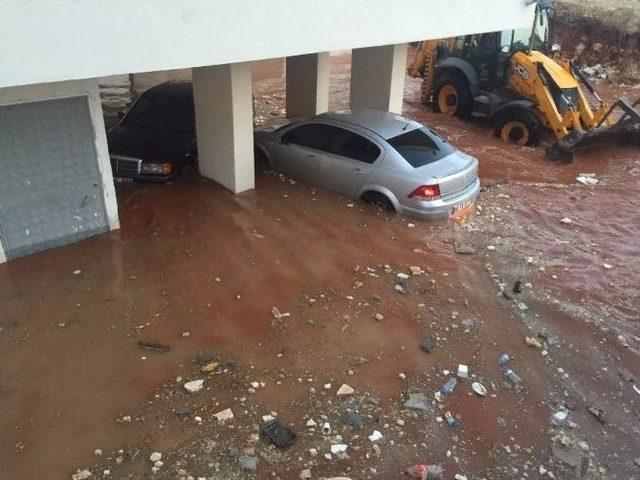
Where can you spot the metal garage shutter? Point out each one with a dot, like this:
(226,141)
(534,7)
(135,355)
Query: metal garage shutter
(50,189)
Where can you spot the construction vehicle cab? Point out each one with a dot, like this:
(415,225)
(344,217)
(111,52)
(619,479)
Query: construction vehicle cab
(508,79)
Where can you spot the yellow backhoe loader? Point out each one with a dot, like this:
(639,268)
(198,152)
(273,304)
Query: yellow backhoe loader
(508,79)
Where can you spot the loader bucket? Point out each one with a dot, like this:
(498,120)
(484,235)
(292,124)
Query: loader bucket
(626,130)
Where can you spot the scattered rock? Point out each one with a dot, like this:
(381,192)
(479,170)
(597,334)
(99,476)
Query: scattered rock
(210,367)
(345,390)
(339,448)
(532,342)
(416,401)
(566,221)
(379,317)
(311,423)
(428,344)
(224,415)
(305,474)
(155,457)
(375,436)
(194,386)
(598,413)
(81,475)
(353,419)
(248,463)
(278,433)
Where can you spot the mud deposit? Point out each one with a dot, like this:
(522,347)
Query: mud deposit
(200,270)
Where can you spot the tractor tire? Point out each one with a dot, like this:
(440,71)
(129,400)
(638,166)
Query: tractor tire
(452,95)
(519,126)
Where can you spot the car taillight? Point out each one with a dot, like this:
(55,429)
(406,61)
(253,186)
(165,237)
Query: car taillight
(428,192)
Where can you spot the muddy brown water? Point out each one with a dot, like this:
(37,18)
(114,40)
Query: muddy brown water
(64,386)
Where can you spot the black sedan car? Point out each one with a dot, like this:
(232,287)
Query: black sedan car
(156,138)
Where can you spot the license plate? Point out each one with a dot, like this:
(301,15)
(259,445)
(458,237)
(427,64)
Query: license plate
(462,210)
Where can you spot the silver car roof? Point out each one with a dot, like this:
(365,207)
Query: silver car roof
(385,124)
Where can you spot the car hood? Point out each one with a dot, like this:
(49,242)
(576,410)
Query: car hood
(150,145)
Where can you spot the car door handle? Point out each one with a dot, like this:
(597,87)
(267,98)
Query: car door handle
(359,171)
(312,157)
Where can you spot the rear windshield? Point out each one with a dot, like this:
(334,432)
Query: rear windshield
(420,147)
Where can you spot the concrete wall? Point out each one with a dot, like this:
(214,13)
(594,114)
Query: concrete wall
(46,40)
(88,88)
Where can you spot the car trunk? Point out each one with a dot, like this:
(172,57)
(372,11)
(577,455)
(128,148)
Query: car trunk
(453,173)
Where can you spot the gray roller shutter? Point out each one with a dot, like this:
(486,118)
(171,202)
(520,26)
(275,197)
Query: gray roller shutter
(50,188)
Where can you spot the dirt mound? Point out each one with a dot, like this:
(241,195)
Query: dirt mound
(603,32)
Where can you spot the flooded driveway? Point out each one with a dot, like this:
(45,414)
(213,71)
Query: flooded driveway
(200,269)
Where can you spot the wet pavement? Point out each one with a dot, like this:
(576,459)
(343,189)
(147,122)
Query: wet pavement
(191,257)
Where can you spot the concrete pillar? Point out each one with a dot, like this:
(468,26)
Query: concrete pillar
(224,124)
(377,77)
(307,84)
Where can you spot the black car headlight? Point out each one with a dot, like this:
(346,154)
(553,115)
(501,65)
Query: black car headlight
(156,168)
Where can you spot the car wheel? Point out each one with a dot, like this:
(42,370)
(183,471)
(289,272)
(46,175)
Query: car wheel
(378,200)
(261,160)
(521,127)
(452,95)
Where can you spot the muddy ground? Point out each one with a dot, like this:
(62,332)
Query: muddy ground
(200,270)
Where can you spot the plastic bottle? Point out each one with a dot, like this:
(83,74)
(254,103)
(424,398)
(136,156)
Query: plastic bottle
(449,385)
(512,376)
(504,358)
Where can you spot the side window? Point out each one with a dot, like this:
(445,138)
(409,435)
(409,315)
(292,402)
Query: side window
(352,145)
(310,135)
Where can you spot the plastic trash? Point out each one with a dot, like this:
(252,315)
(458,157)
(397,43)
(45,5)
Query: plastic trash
(278,433)
(450,419)
(512,376)
(560,417)
(449,385)
(518,286)
(479,389)
(463,371)
(417,471)
(504,358)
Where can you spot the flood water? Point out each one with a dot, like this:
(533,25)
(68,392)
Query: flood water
(191,257)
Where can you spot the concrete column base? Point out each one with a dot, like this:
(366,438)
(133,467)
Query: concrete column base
(224,124)
(307,92)
(377,77)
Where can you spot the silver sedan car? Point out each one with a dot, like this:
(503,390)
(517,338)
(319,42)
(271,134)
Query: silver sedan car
(376,156)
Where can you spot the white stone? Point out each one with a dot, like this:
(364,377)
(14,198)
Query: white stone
(311,423)
(81,475)
(155,456)
(375,436)
(305,474)
(194,386)
(345,390)
(339,448)
(224,415)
